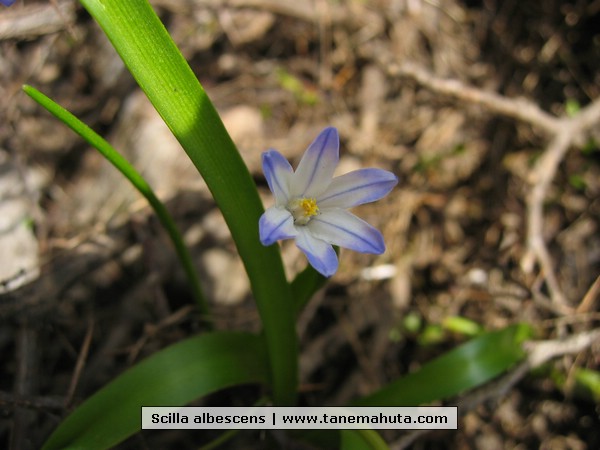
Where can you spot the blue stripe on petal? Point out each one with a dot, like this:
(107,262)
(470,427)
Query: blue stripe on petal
(315,171)
(278,173)
(275,224)
(358,187)
(320,254)
(339,227)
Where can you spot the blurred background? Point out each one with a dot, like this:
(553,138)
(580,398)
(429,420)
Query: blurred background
(90,284)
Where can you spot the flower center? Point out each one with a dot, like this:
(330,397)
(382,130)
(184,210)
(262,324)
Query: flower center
(303,209)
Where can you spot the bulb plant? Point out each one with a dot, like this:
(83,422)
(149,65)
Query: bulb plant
(310,206)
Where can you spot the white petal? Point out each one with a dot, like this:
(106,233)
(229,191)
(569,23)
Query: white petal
(275,224)
(339,227)
(315,171)
(320,254)
(358,187)
(278,173)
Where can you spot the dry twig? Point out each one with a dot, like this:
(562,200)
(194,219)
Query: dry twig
(516,108)
(85,348)
(569,131)
(562,133)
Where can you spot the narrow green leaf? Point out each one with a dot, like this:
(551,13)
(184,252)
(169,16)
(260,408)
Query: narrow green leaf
(172,377)
(362,440)
(462,325)
(589,380)
(319,439)
(220,441)
(161,71)
(467,366)
(432,334)
(136,179)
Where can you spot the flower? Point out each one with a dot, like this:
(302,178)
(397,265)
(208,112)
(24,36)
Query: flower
(7,2)
(310,205)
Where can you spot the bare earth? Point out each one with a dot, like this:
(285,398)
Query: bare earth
(489,113)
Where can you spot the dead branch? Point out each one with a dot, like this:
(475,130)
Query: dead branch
(520,109)
(568,132)
(562,133)
(540,352)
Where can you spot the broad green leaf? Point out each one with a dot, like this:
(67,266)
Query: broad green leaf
(463,368)
(136,179)
(172,377)
(161,71)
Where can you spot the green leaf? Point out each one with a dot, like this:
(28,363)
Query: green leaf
(172,377)
(467,366)
(590,147)
(294,85)
(136,179)
(462,325)
(318,439)
(572,107)
(590,380)
(362,440)
(155,62)
(341,439)
(578,182)
(432,334)
(412,322)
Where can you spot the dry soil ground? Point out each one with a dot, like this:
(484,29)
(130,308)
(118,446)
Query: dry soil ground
(484,109)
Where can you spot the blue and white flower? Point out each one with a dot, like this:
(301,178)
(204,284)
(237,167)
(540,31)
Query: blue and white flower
(311,206)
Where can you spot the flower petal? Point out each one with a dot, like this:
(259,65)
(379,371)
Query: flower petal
(320,254)
(358,187)
(315,171)
(339,227)
(275,224)
(278,173)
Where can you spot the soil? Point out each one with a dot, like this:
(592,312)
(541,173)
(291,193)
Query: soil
(91,285)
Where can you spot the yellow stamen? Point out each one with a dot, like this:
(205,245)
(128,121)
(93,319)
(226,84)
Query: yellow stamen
(309,205)
(303,209)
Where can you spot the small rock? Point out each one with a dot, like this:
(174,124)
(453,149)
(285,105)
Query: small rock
(18,245)
(244,124)
(227,276)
